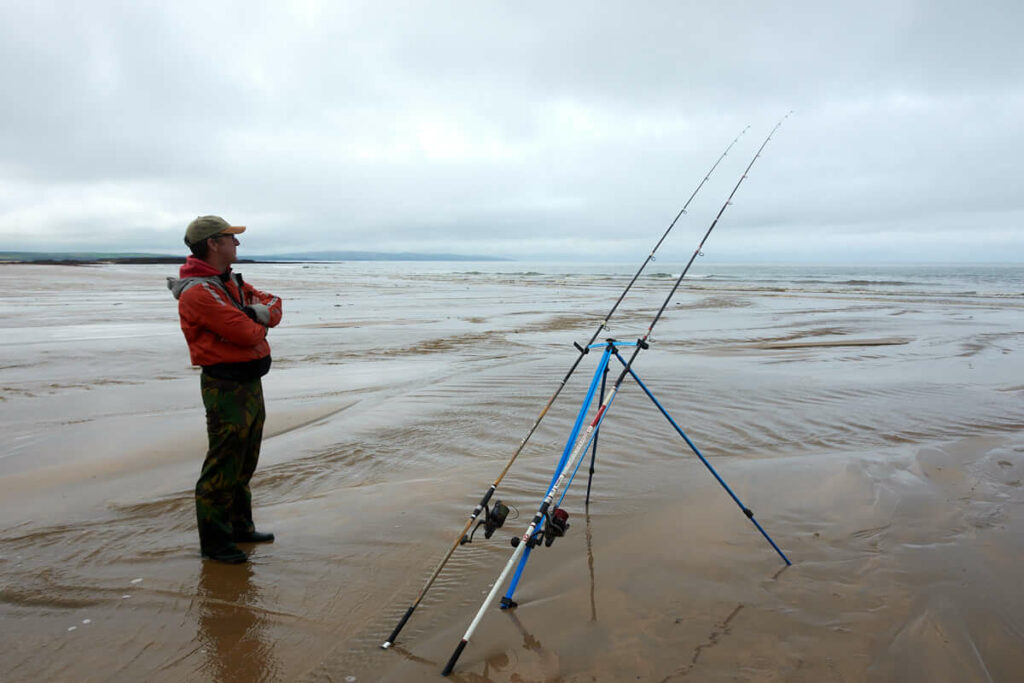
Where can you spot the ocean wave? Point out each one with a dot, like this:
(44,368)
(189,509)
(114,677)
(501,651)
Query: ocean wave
(877,283)
(691,276)
(856,282)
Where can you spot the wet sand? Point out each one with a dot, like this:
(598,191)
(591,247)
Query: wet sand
(879,439)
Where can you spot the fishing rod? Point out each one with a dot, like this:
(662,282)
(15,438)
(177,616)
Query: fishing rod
(586,438)
(495,515)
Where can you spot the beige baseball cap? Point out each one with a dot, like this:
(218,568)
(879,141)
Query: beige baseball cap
(204,227)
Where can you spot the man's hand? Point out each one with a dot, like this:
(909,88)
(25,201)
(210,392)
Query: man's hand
(259,313)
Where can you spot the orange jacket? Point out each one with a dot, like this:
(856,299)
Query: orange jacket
(210,307)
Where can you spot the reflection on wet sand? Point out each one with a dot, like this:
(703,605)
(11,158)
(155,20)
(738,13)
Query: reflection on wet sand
(527,662)
(232,630)
(590,567)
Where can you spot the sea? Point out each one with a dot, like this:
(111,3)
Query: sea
(997,280)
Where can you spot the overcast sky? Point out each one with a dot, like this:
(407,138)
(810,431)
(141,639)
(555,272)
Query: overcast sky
(554,130)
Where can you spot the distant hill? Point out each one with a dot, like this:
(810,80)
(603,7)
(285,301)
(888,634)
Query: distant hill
(78,258)
(61,256)
(372,256)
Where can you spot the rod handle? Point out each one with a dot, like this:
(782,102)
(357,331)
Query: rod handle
(394,634)
(454,658)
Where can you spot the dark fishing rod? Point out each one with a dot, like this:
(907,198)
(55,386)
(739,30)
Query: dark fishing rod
(593,451)
(586,438)
(494,512)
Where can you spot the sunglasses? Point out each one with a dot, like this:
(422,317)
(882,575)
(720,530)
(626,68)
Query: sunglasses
(224,234)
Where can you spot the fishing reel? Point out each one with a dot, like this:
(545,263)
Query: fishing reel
(494,519)
(555,527)
(556,523)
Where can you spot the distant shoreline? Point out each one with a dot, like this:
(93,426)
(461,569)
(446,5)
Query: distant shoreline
(92,259)
(91,262)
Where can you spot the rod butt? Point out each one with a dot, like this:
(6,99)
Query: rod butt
(454,658)
(394,634)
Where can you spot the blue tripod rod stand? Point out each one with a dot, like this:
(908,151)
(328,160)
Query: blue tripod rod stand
(611,348)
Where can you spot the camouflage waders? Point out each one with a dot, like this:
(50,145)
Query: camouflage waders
(234,425)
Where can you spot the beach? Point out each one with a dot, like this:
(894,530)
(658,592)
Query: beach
(872,420)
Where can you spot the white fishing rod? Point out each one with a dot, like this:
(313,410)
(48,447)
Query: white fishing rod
(584,439)
(495,515)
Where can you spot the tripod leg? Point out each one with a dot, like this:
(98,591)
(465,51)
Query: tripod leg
(593,452)
(746,511)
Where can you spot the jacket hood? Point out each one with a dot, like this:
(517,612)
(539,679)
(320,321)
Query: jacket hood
(195,267)
(192,273)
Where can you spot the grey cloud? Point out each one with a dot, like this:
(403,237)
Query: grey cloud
(501,126)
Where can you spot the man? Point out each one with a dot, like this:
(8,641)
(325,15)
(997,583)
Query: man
(225,322)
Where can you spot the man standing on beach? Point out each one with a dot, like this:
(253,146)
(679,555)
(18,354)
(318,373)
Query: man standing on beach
(225,322)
